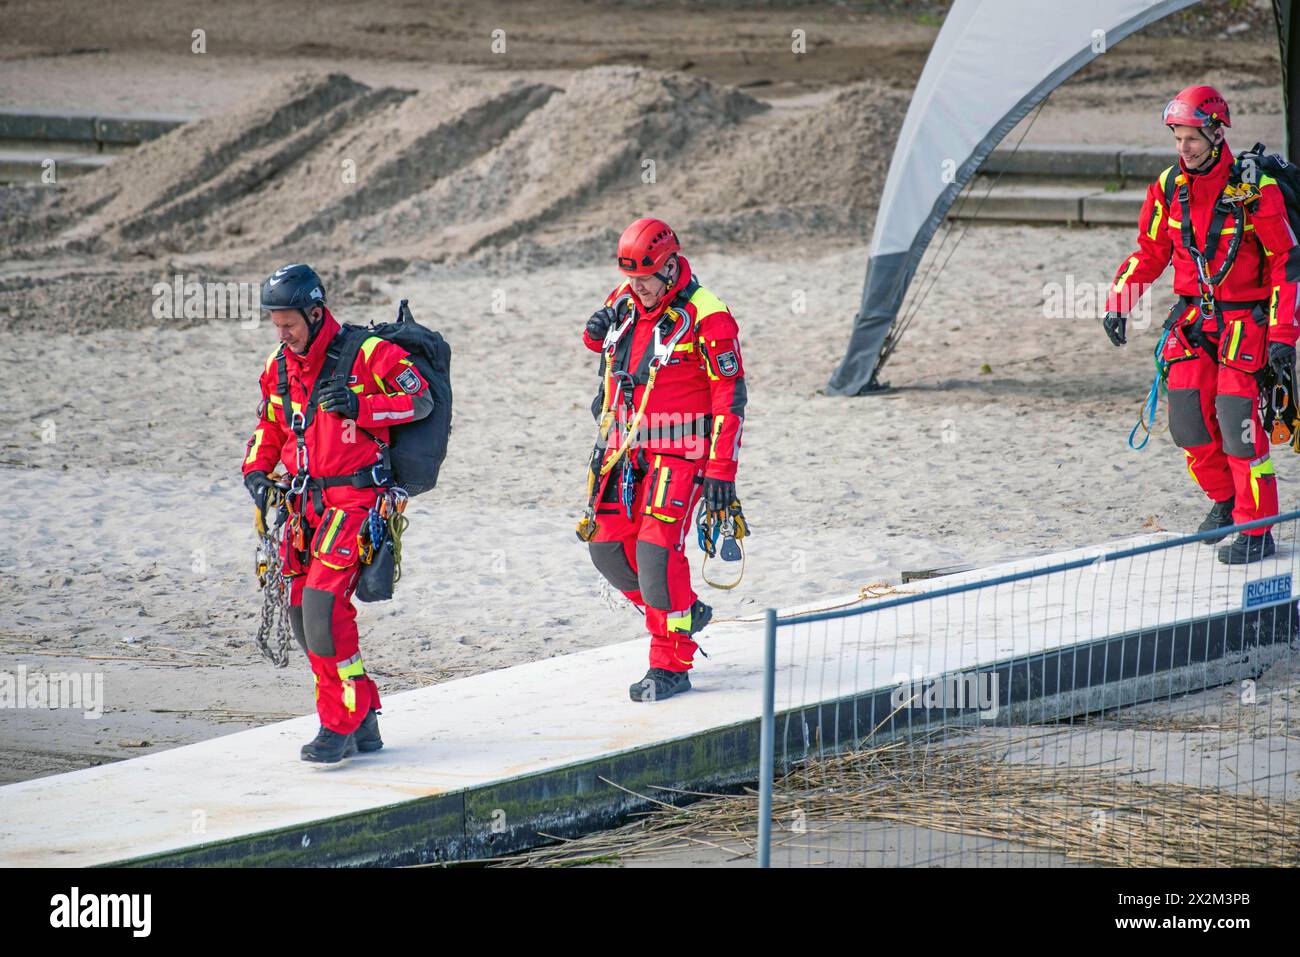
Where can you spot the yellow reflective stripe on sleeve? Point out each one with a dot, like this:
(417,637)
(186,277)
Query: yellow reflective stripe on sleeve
(1156,214)
(1123,277)
(717,430)
(1176,223)
(368,346)
(252,449)
(1272,306)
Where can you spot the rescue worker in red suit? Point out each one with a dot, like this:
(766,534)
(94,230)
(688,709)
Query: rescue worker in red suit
(1226,325)
(339,481)
(671,351)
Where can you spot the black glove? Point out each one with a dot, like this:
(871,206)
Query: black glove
(258,486)
(336,397)
(1114,324)
(600,321)
(718,494)
(1282,358)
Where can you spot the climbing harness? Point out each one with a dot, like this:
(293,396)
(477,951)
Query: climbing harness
(729,525)
(598,471)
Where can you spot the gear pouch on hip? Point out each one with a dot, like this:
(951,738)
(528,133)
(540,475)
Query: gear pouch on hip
(670,489)
(335,542)
(1243,344)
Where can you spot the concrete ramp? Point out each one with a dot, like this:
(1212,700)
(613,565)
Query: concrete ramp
(486,765)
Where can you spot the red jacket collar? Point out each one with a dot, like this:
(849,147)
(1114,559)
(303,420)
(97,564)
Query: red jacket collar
(666,300)
(1215,178)
(315,357)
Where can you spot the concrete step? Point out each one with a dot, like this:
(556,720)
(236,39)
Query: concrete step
(27,125)
(78,143)
(1021,202)
(1079,159)
(28,166)
(1064,183)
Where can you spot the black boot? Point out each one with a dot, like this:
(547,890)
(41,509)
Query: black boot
(1220,516)
(329,747)
(1247,548)
(660,683)
(367,735)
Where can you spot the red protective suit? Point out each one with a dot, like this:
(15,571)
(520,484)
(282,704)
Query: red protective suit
(1213,409)
(323,576)
(691,428)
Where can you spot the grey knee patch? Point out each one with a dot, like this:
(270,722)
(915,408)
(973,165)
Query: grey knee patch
(295,625)
(652,574)
(1186,425)
(317,614)
(611,561)
(1237,423)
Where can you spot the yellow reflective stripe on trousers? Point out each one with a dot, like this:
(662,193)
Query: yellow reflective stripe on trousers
(1260,466)
(352,668)
(662,491)
(1235,343)
(679,621)
(327,541)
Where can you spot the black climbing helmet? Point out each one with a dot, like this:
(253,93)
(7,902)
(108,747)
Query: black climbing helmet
(293,287)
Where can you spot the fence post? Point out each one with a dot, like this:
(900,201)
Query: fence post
(767,744)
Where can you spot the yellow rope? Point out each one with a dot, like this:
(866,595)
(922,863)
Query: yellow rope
(865,593)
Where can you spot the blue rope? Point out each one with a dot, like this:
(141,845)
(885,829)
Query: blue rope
(1147,416)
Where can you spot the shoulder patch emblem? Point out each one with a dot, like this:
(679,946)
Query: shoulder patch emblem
(727,364)
(409,381)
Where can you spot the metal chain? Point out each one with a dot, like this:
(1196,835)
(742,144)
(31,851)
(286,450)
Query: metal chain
(274,634)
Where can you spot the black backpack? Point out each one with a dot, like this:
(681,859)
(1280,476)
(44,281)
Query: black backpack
(416,449)
(1254,162)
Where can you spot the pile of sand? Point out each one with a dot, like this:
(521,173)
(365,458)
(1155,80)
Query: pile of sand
(370,181)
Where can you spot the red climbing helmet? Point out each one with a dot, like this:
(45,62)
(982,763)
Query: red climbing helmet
(1197,106)
(645,246)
